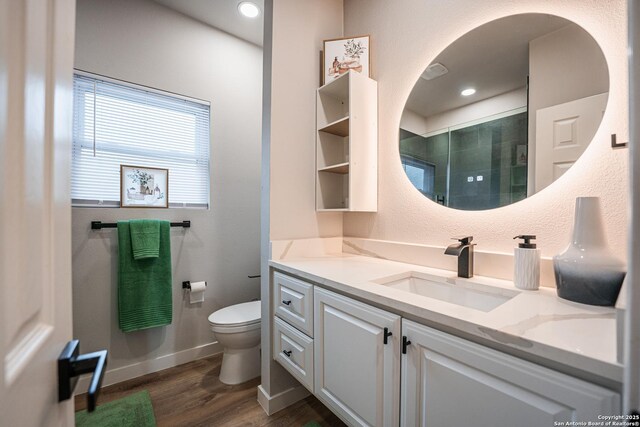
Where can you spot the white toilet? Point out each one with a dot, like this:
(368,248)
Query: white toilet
(237,328)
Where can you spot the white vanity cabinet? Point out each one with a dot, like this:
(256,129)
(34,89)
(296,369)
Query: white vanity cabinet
(356,359)
(352,356)
(449,381)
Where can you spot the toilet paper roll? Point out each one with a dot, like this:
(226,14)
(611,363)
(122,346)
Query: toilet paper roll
(196,293)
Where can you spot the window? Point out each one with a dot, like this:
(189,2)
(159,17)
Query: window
(118,123)
(420,173)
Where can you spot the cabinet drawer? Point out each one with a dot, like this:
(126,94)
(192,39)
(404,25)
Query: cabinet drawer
(293,302)
(294,351)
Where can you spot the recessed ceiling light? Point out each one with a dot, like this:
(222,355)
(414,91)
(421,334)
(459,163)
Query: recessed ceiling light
(468,92)
(248,9)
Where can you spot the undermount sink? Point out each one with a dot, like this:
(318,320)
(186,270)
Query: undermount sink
(465,293)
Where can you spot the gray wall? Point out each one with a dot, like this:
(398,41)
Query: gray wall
(143,42)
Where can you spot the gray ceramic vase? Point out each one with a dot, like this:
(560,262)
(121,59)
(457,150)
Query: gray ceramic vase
(587,272)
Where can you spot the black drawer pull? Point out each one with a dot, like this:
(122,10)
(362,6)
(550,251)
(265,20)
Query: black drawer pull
(387,334)
(405,344)
(288,302)
(287,353)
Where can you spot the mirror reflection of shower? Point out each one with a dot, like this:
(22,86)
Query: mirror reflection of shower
(452,165)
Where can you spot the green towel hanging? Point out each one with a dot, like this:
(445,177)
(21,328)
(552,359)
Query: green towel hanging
(145,238)
(144,285)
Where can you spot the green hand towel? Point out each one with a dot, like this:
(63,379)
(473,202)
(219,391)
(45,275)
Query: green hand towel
(144,285)
(145,238)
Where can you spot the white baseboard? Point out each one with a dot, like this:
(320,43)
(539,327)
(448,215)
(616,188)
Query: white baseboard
(273,404)
(148,366)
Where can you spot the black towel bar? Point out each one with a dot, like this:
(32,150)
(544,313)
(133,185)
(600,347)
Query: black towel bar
(99,225)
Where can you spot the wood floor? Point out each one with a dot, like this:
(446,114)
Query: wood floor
(192,395)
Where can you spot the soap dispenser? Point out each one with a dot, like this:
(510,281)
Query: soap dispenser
(526,273)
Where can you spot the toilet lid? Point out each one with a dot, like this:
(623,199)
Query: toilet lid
(247,312)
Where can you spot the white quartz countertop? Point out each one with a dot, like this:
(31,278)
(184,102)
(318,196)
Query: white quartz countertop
(536,323)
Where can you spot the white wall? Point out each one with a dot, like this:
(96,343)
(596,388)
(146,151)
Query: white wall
(564,65)
(299,27)
(294,31)
(413,122)
(146,43)
(468,113)
(413,34)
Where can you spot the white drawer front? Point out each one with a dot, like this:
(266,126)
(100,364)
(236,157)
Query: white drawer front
(294,351)
(293,302)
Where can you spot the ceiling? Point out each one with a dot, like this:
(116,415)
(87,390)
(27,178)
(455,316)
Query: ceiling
(222,14)
(493,59)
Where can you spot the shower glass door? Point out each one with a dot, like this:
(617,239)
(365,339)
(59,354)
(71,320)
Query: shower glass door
(473,166)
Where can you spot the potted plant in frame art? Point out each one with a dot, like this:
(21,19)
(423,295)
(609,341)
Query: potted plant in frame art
(345,54)
(144,187)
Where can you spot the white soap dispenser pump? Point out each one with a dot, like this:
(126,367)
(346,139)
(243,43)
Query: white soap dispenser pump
(526,272)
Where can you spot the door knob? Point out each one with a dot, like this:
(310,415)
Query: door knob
(72,364)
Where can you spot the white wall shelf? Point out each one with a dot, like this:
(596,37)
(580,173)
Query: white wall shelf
(347,145)
(337,168)
(340,127)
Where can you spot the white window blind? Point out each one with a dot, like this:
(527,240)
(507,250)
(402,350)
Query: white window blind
(118,123)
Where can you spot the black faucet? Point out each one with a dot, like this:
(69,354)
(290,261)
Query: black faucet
(464,251)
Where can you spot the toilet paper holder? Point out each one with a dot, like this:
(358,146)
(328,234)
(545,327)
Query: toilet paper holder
(187,284)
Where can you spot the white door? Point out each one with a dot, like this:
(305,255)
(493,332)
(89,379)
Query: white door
(563,132)
(355,373)
(448,381)
(36,65)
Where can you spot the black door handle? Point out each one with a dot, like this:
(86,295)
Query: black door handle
(405,344)
(72,364)
(288,302)
(287,353)
(387,334)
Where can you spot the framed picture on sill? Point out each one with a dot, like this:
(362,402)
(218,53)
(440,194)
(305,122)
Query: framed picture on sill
(143,187)
(342,55)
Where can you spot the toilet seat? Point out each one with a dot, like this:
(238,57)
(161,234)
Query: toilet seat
(236,318)
(225,329)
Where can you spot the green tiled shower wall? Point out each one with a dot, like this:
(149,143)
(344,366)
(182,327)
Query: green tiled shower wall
(488,150)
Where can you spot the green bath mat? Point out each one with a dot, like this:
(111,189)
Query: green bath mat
(312,424)
(131,411)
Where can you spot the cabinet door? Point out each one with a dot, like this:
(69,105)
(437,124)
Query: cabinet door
(356,374)
(448,381)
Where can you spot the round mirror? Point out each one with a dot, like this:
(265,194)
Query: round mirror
(503,111)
